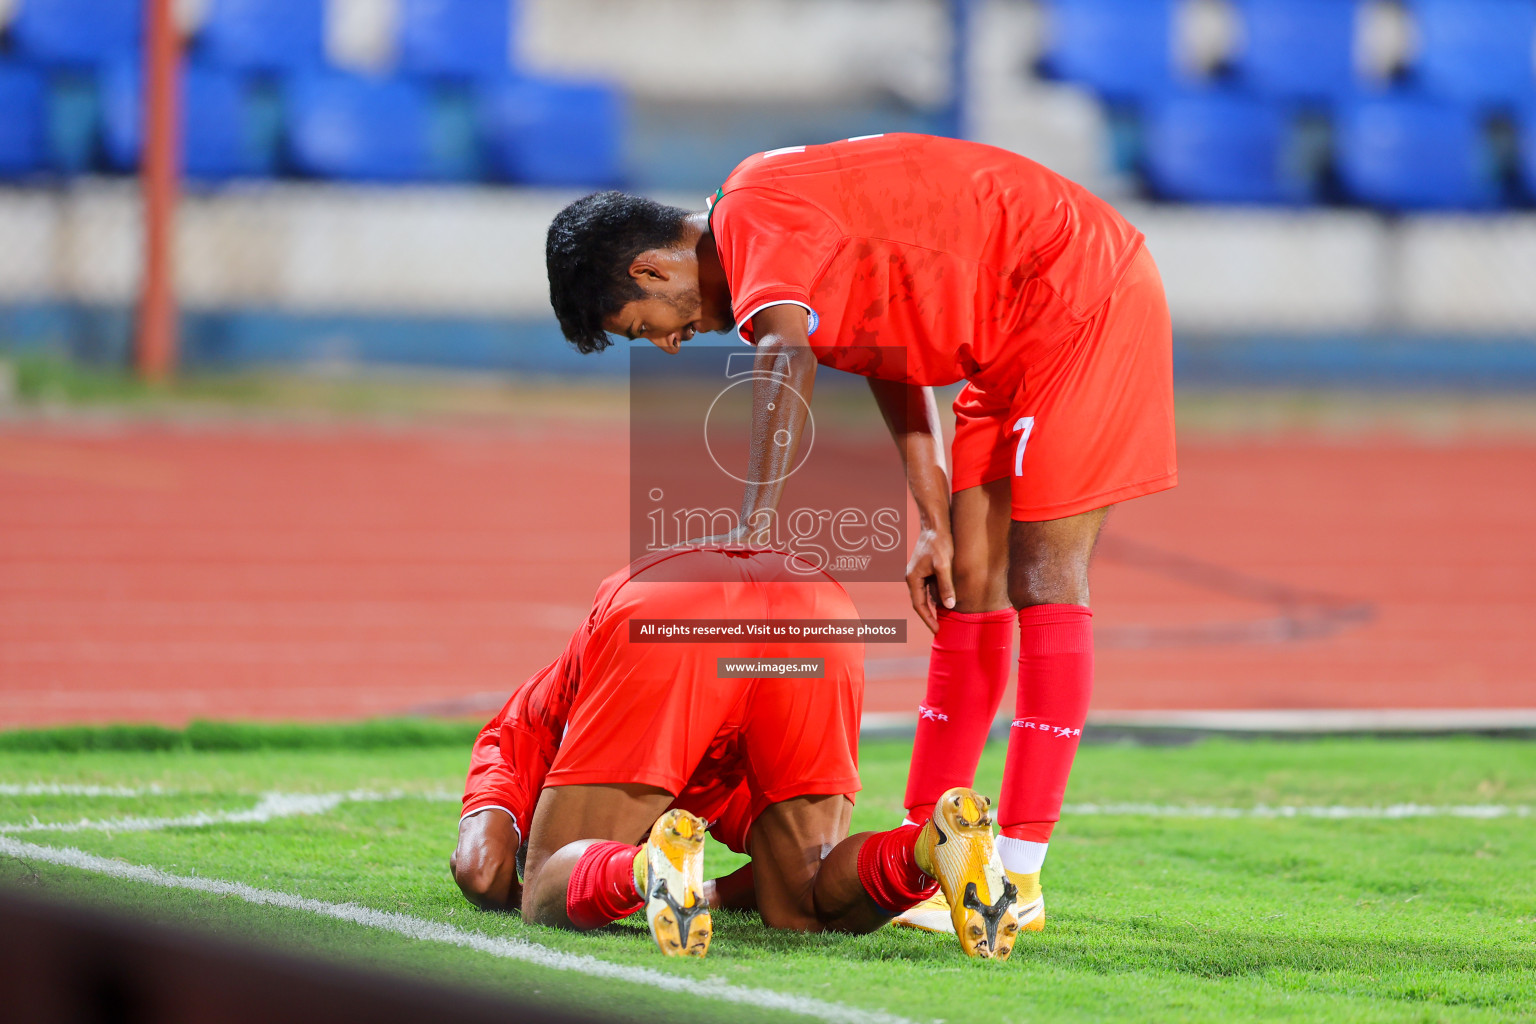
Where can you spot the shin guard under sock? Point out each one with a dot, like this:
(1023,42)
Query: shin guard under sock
(967,674)
(602,885)
(1055,683)
(889,873)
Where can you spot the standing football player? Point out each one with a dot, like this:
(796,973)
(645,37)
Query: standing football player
(919,262)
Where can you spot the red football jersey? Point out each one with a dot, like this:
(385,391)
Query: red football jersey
(719,584)
(966,257)
(610,711)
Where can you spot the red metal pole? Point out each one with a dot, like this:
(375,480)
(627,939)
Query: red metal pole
(155,349)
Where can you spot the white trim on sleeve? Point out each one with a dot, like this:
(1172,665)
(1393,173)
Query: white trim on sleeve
(495,807)
(810,328)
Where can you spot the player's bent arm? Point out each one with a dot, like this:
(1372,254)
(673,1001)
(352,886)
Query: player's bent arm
(484,864)
(912,415)
(785,367)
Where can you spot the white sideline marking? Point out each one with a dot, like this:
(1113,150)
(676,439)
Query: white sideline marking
(1319,721)
(66,789)
(432,931)
(1326,720)
(1303,811)
(272,806)
(268,808)
(72,789)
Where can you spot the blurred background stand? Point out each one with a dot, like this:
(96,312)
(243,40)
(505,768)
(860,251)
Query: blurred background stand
(368,182)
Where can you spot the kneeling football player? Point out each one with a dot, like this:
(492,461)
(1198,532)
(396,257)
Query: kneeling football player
(601,775)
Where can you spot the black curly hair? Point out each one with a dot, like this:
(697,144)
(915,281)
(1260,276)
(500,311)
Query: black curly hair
(590,246)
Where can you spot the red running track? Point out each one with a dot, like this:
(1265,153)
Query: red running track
(157,573)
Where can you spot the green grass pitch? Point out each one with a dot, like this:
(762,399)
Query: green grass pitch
(1152,915)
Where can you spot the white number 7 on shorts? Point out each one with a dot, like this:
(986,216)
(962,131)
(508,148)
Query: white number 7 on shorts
(1027,425)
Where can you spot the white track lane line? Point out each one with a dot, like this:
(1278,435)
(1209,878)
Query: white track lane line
(432,931)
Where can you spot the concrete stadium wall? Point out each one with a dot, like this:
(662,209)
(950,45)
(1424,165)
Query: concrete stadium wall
(477,252)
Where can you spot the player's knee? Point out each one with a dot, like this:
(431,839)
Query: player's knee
(1048,580)
(979,587)
(792,910)
(539,907)
(791,918)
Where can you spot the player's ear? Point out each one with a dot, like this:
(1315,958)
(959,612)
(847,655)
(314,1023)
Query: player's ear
(649,268)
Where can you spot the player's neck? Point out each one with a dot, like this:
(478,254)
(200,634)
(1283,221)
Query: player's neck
(696,233)
(712,280)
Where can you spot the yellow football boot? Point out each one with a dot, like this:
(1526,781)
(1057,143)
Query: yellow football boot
(956,847)
(932,915)
(1029,903)
(669,870)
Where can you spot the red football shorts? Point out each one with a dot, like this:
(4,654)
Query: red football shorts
(660,715)
(1091,423)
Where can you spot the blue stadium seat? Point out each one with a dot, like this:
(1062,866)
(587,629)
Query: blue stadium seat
(550,132)
(456,38)
(74,123)
(347,126)
(1528,150)
(1477,50)
(217,137)
(76,32)
(1410,152)
(23,120)
(1300,49)
(1220,147)
(263,35)
(1121,48)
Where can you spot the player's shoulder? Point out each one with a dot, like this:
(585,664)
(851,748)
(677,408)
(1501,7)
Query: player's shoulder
(801,188)
(779,167)
(837,178)
(766,169)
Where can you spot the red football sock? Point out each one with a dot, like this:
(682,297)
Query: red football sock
(889,873)
(967,674)
(602,886)
(1055,682)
